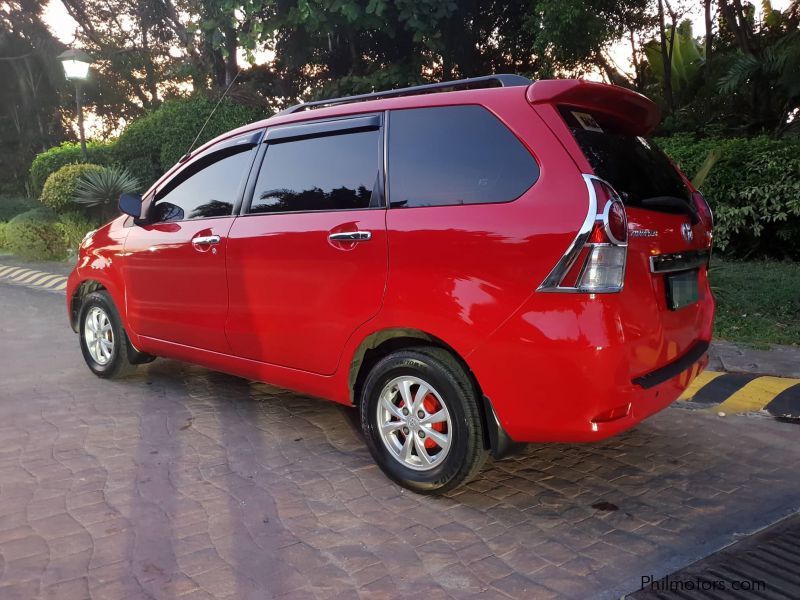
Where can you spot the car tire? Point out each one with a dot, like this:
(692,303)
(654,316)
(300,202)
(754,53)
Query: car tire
(103,340)
(420,413)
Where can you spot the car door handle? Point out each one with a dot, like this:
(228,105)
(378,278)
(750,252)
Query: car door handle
(202,240)
(350,236)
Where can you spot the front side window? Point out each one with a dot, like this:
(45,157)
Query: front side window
(333,172)
(208,187)
(455,155)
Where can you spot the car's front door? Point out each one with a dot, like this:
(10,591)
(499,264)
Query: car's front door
(176,288)
(307,260)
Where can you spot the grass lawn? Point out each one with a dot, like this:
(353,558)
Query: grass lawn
(758,302)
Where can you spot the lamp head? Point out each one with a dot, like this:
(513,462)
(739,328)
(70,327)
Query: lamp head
(76,64)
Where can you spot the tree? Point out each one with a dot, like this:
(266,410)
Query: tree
(30,120)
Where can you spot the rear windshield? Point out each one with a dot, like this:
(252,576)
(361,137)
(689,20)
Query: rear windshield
(634,166)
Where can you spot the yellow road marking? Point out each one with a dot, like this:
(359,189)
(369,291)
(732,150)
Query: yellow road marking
(12,271)
(39,278)
(23,273)
(52,285)
(755,395)
(30,277)
(44,282)
(34,278)
(698,382)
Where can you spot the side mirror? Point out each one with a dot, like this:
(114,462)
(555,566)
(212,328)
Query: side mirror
(131,204)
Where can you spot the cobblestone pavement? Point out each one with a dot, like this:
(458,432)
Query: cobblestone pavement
(181,482)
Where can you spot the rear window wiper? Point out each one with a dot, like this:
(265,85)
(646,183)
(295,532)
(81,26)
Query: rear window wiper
(673,204)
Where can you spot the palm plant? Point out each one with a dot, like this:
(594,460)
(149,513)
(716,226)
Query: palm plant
(774,68)
(101,189)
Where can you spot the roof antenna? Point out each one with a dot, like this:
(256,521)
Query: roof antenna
(199,133)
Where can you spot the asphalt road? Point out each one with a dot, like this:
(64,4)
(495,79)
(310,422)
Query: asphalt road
(184,483)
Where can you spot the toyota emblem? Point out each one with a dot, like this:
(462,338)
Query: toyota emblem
(687,232)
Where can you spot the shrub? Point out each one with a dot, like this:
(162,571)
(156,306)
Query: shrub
(59,189)
(152,144)
(101,189)
(3,235)
(33,235)
(11,206)
(50,161)
(753,189)
(73,226)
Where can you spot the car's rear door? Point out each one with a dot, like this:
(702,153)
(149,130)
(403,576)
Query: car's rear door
(174,265)
(307,259)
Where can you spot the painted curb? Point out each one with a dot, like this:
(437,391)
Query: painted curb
(733,393)
(33,279)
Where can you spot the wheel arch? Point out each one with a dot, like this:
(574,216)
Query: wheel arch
(381,343)
(83,289)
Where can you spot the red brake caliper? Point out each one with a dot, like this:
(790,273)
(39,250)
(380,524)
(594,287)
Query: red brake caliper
(431,405)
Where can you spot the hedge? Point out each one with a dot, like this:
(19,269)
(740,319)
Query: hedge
(152,144)
(59,189)
(50,161)
(73,226)
(753,189)
(34,235)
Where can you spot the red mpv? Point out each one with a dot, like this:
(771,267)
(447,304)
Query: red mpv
(471,264)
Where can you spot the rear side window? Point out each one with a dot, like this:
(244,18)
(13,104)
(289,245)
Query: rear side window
(455,155)
(634,166)
(334,172)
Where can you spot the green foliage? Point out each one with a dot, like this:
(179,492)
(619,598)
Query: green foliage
(102,189)
(760,303)
(11,206)
(2,236)
(753,189)
(60,187)
(73,226)
(34,235)
(152,144)
(687,60)
(770,79)
(50,161)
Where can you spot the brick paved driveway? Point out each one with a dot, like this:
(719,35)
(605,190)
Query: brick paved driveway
(181,482)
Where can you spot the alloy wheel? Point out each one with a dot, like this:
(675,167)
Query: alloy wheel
(99,335)
(414,423)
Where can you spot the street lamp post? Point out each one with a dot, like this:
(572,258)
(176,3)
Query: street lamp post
(76,68)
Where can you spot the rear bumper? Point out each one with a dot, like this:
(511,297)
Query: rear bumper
(558,374)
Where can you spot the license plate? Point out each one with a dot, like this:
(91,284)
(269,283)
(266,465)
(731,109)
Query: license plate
(681,289)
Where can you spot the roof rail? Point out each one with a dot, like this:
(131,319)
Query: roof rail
(505,80)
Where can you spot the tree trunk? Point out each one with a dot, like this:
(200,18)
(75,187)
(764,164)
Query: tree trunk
(149,72)
(231,60)
(709,36)
(730,13)
(666,59)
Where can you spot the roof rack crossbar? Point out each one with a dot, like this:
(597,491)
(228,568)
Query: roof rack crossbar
(505,80)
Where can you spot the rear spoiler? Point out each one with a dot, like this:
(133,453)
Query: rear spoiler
(636,114)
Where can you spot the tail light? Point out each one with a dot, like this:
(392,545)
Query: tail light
(595,263)
(703,210)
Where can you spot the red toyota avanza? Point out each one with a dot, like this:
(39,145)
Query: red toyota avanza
(471,264)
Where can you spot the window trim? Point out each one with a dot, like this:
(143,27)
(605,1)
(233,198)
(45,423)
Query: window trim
(253,137)
(485,109)
(339,126)
(323,128)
